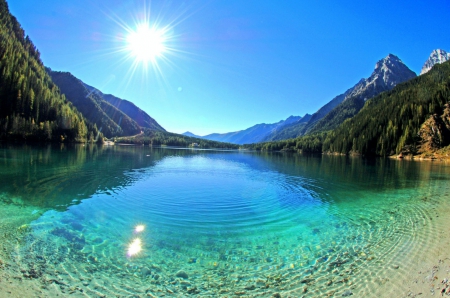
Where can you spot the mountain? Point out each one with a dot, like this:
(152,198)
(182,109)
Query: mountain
(388,72)
(412,118)
(32,107)
(254,134)
(130,109)
(190,134)
(109,120)
(284,132)
(436,57)
(163,138)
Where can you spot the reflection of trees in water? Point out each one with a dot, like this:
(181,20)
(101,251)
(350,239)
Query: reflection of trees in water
(55,176)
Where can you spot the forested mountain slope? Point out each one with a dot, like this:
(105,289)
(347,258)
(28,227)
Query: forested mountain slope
(130,109)
(387,73)
(110,120)
(412,116)
(31,105)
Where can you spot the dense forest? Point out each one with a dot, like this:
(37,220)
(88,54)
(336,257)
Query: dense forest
(31,105)
(412,118)
(110,120)
(395,121)
(306,144)
(159,138)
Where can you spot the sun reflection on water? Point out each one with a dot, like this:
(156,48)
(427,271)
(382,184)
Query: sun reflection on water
(139,228)
(134,247)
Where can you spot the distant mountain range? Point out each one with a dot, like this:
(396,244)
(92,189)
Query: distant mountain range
(254,134)
(388,72)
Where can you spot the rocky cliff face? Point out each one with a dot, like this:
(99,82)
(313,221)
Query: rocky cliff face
(436,57)
(435,131)
(388,72)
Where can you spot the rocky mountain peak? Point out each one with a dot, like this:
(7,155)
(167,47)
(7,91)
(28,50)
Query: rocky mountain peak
(436,57)
(388,72)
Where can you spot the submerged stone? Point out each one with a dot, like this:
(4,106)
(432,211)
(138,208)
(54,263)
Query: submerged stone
(182,274)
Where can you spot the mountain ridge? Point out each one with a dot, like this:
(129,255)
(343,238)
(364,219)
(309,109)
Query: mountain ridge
(388,72)
(129,108)
(254,134)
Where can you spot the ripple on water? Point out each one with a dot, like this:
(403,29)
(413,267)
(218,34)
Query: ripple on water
(232,231)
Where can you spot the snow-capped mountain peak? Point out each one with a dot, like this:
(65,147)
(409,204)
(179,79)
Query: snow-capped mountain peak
(436,57)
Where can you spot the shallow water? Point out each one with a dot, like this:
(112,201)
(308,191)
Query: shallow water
(216,223)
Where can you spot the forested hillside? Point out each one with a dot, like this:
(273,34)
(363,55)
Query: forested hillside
(393,121)
(412,118)
(135,113)
(158,138)
(110,120)
(31,105)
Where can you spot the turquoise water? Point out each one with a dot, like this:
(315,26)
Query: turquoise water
(215,223)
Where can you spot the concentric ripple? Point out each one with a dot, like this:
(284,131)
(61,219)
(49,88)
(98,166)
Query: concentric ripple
(231,224)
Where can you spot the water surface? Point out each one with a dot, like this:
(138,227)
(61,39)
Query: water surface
(216,223)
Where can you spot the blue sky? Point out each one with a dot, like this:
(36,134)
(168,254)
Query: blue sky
(233,63)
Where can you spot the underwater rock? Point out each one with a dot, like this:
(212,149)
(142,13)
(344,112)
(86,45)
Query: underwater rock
(347,293)
(250,287)
(76,241)
(276,295)
(182,274)
(146,272)
(76,226)
(193,290)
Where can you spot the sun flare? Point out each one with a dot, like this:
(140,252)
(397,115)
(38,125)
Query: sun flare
(145,43)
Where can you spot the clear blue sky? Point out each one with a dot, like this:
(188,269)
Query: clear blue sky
(234,63)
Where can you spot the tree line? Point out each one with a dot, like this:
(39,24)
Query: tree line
(158,138)
(31,105)
(390,123)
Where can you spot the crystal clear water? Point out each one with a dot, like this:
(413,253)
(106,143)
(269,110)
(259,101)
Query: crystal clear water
(215,223)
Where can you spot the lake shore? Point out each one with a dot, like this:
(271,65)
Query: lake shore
(426,271)
(415,271)
(391,241)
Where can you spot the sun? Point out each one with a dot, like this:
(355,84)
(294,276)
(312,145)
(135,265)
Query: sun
(146,43)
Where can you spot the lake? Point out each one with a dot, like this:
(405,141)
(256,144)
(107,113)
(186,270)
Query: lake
(135,221)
